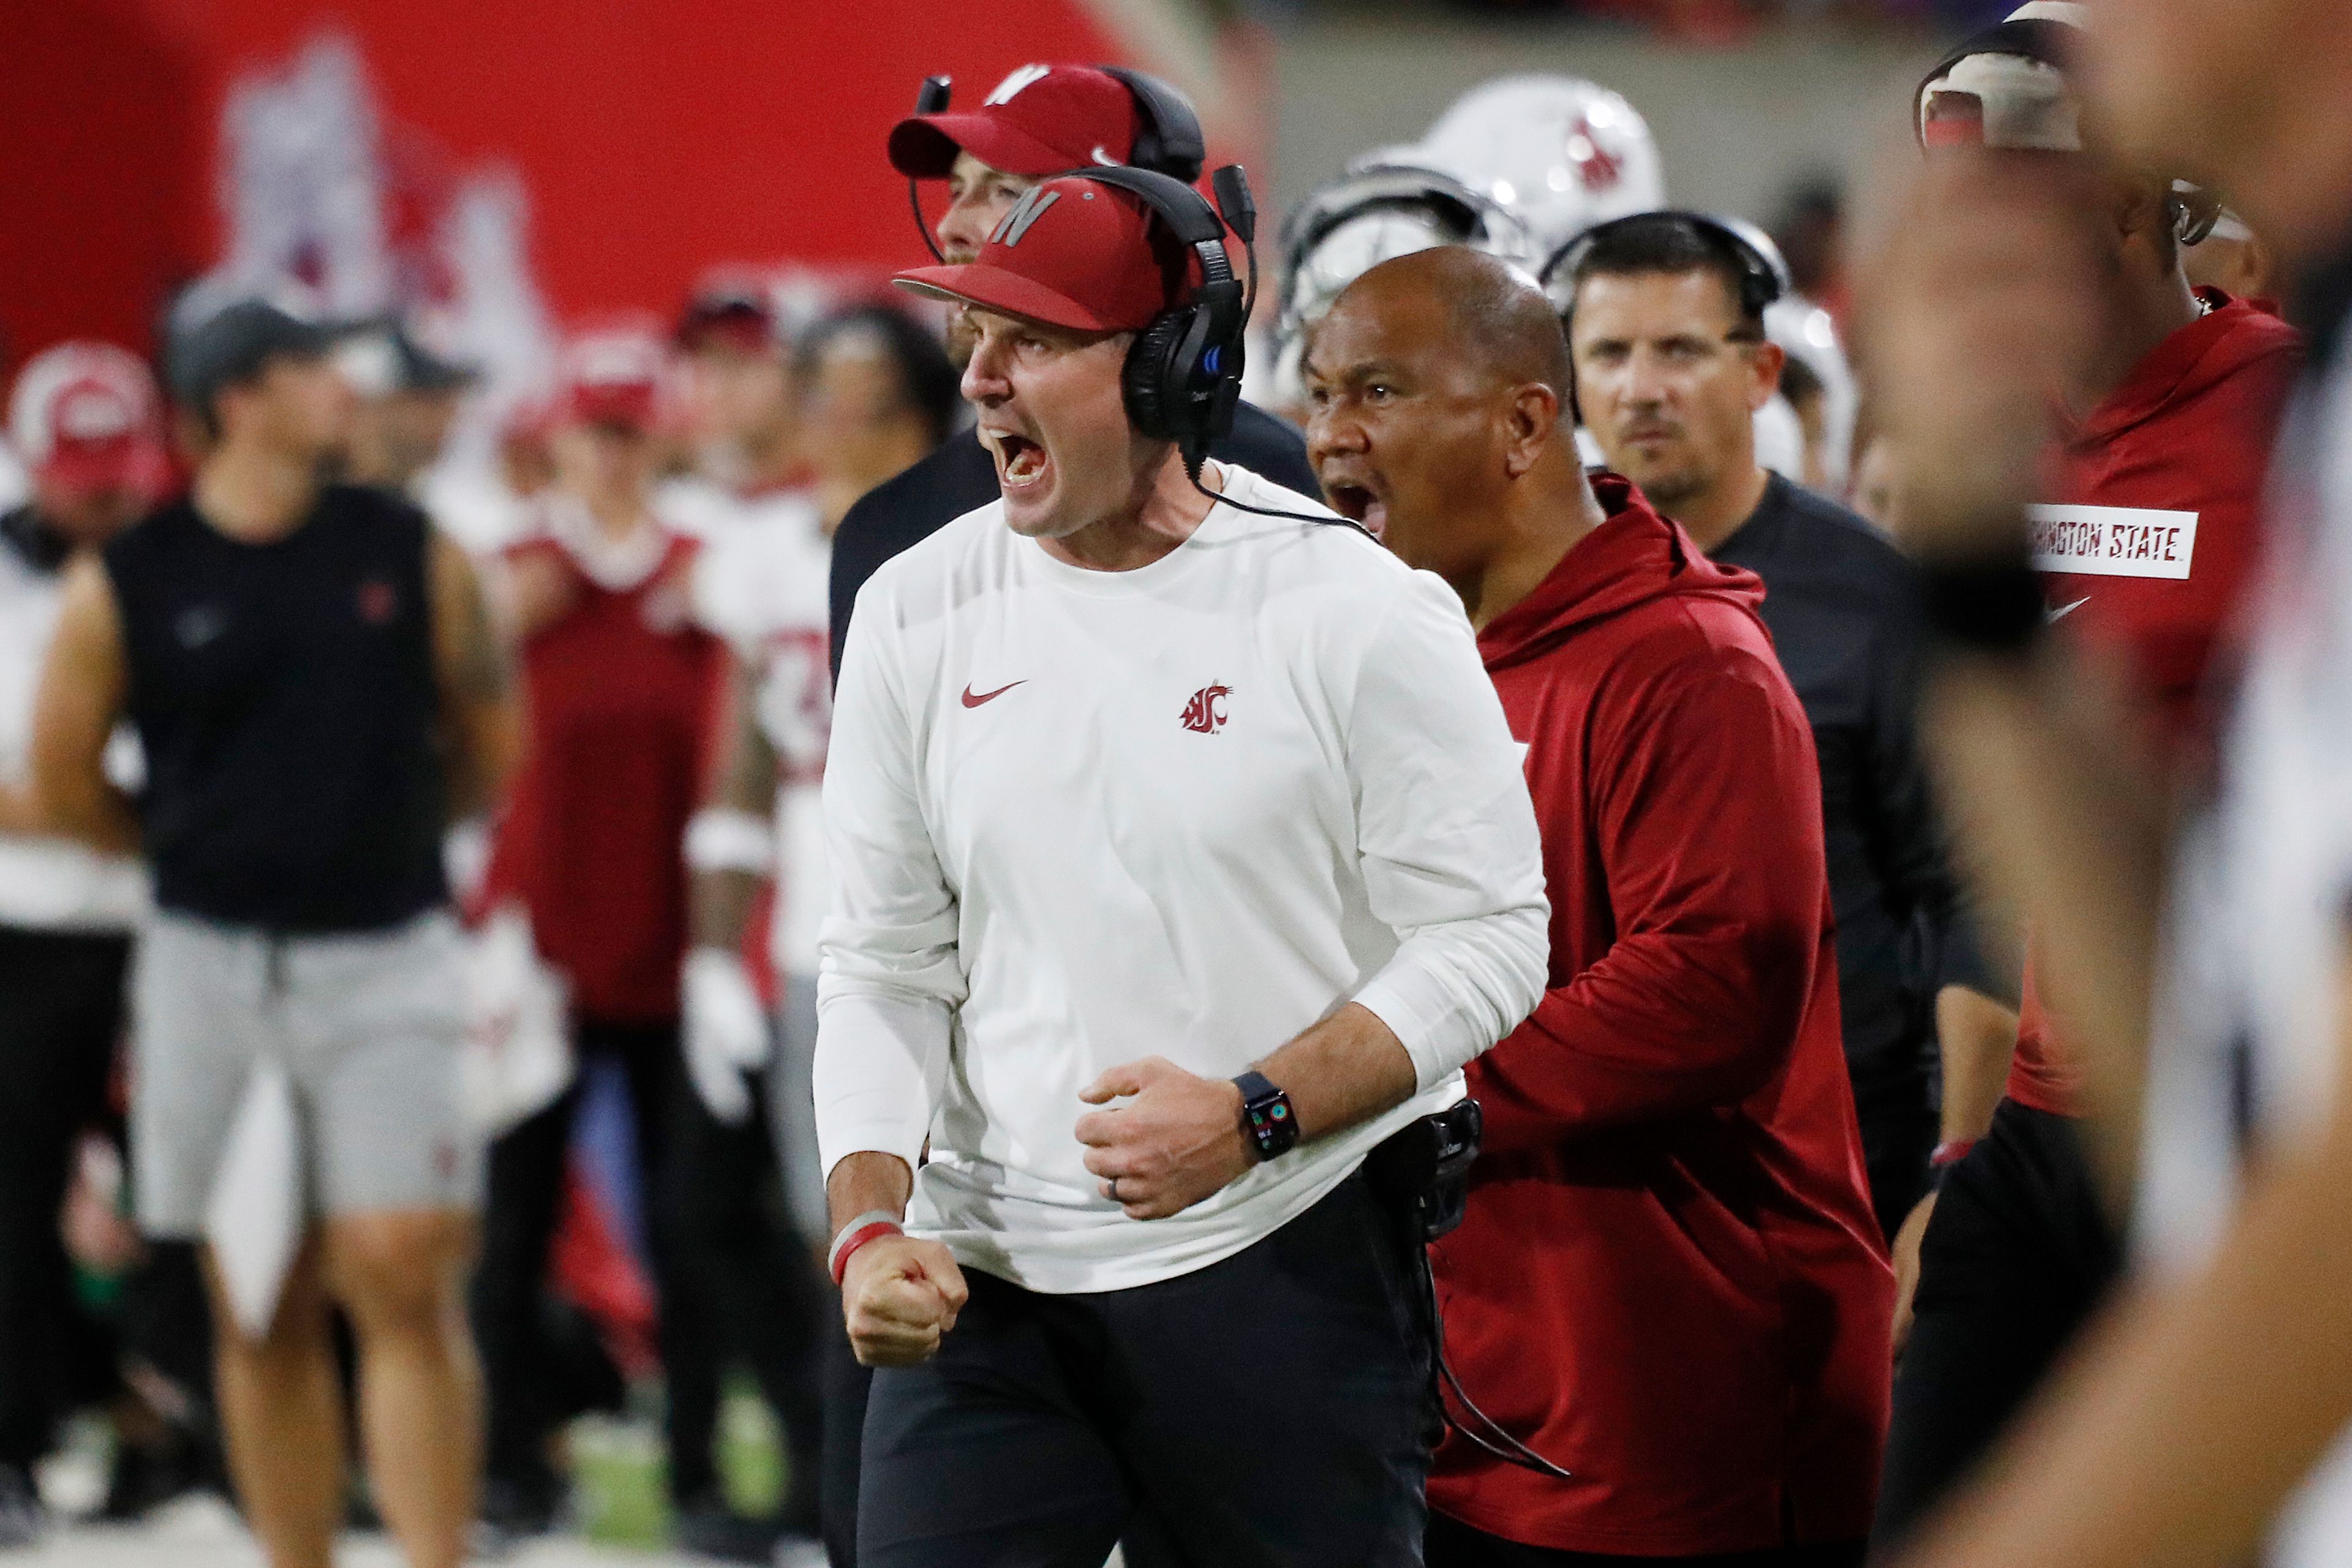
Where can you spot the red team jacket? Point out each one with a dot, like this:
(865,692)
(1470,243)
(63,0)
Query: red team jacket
(1669,1280)
(620,694)
(2154,543)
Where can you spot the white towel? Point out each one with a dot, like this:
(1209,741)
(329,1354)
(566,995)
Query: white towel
(255,1216)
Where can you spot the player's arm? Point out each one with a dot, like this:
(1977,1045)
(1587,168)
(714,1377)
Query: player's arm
(85,683)
(475,672)
(730,850)
(891,982)
(2173,1437)
(1446,837)
(1975,1037)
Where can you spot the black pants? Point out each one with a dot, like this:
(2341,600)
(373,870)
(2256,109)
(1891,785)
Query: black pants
(1898,1132)
(1265,1410)
(847,1387)
(1453,1544)
(61,1004)
(2017,1256)
(727,1274)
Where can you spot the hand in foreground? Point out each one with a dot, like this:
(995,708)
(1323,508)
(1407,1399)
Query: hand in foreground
(899,1297)
(1906,1266)
(1982,307)
(1177,1140)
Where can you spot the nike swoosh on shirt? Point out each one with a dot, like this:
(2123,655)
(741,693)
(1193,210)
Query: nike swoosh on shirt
(2060,613)
(971,701)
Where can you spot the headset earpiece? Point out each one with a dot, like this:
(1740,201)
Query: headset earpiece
(1181,379)
(1168,137)
(1763,275)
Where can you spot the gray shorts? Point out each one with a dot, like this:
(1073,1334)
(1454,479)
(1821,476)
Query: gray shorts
(369,1028)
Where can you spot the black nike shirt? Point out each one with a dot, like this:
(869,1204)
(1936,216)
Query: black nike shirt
(1842,604)
(961,477)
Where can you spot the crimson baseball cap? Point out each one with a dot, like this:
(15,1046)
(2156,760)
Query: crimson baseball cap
(86,416)
(1039,121)
(738,315)
(1071,253)
(611,375)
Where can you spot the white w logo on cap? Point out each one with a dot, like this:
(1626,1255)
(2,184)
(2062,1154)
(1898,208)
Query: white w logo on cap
(1023,213)
(1010,87)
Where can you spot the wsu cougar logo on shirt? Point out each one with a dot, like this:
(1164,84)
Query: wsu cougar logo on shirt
(1205,713)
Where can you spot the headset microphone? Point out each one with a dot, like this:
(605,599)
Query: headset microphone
(931,97)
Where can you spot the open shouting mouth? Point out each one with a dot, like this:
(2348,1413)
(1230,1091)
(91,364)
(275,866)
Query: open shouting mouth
(1359,502)
(1022,466)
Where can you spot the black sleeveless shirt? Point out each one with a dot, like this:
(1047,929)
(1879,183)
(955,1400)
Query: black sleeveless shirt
(285,697)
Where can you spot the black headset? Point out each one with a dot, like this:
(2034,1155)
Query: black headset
(1168,138)
(1763,274)
(1182,376)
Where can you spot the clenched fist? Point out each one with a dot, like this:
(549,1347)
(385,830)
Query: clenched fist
(899,1297)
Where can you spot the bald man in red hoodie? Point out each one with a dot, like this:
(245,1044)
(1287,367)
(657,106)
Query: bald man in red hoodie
(1668,1283)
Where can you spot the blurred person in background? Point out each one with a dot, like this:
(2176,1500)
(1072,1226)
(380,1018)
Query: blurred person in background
(738,363)
(2143,416)
(1666,325)
(622,690)
(86,420)
(314,683)
(879,394)
(1669,1191)
(408,399)
(1810,232)
(1037,123)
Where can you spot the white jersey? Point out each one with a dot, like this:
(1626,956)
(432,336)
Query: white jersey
(47,884)
(2247,1031)
(762,582)
(1081,818)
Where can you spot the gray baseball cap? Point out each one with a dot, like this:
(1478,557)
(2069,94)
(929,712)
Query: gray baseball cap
(234,343)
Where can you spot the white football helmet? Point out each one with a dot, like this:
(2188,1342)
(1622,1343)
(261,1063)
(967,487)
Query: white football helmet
(1563,153)
(1808,334)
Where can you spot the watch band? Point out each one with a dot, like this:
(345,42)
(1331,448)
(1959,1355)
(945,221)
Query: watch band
(1269,1119)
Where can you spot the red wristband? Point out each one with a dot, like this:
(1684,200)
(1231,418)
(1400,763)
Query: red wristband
(856,1234)
(1950,1152)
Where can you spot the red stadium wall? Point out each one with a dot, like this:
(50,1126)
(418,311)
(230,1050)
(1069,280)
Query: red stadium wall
(654,139)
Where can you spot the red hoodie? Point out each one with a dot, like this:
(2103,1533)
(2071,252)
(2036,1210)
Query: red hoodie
(2152,546)
(1669,1280)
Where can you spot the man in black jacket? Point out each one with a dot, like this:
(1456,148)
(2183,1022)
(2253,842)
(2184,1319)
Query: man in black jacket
(1671,363)
(1039,121)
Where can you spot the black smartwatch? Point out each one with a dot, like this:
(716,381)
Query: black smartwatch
(1268,1119)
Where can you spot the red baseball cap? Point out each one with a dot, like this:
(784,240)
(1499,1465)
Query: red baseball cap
(739,314)
(1039,121)
(86,418)
(613,376)
(1071,253)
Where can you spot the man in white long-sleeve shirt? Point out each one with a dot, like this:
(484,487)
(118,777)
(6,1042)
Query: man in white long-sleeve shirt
(1185,856)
